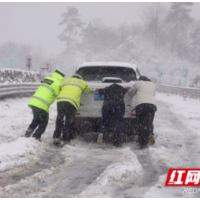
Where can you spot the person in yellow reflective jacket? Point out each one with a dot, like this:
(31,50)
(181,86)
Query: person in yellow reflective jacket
(68,102)
(40,102)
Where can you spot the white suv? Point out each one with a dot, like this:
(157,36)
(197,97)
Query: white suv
(101,75)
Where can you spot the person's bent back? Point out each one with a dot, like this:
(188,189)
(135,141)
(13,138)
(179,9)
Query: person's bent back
(72,88)
(144,92)
(113,93)
(47,92)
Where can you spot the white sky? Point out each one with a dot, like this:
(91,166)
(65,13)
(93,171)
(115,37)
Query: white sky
(37,23)
(177,134)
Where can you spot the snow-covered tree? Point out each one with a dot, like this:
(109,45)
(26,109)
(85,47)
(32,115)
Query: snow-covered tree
(153,17)
(195,42)
(179,21)
(97,37)
(72,23)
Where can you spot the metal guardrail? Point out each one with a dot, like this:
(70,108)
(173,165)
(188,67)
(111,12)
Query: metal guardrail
(190,92)
(14,90)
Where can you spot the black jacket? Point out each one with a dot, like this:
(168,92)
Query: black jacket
(113,93)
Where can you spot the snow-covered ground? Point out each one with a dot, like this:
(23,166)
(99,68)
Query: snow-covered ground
(29,168)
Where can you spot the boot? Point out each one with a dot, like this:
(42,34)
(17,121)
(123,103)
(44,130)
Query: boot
(29,132)
(63,143)
(151,140)
(56,141)
(38,138)
(117,144)
(143,146)
(100,138)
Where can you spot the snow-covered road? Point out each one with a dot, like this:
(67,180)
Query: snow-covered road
(29,168)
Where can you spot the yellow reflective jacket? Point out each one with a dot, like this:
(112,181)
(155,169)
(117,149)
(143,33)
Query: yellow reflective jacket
(71,91)
(47,92)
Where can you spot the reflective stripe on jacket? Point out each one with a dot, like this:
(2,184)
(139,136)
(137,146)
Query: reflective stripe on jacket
(71,91)
(47,92)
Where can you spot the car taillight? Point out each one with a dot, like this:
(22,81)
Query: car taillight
(133,114)
(77,114)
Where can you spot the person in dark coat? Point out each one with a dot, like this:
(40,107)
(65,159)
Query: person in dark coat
(144,101)
(113,108)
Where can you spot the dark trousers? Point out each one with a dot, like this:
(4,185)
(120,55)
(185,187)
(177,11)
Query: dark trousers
(40,120)
(111,110)
(145,115)
(65,110)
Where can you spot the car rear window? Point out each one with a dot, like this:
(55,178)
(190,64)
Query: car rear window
(96,73)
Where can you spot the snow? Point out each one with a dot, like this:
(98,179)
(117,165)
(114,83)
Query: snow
(127,168)
(13,76)
(115,64)
(29,168)
(12,154)
(188,108)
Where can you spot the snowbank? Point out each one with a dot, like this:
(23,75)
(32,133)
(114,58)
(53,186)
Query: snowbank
(20,76)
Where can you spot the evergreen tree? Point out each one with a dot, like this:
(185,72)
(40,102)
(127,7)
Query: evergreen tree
(72,22)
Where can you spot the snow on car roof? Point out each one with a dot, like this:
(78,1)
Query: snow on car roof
(110,64)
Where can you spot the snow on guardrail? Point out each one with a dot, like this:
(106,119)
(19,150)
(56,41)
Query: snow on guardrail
(12,76)
(19,83)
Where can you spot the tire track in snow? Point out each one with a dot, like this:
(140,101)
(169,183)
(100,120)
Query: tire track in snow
(188,139)
(150,176)
(190,142)
(182,142)
(50,158)
(77,177)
